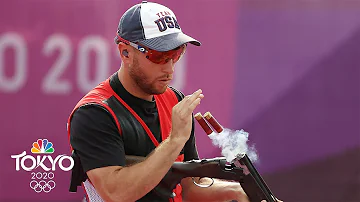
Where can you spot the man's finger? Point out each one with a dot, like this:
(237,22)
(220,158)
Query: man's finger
(193,105)
(193,96)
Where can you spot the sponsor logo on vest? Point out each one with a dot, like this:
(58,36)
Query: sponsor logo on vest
(42,181)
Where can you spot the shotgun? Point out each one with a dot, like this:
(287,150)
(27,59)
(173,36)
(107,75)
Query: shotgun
(240,170)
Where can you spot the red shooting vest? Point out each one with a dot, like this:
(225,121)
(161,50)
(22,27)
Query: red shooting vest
(164,102)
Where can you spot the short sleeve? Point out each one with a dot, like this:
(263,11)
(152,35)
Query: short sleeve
(95,138)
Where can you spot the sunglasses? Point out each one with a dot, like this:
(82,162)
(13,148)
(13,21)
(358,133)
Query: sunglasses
(157,57)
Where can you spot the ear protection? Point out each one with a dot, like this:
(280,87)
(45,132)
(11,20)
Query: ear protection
(125,53)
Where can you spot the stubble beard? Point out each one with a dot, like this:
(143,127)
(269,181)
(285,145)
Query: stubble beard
(142,82)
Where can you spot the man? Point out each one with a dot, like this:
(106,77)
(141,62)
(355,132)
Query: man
(135,112)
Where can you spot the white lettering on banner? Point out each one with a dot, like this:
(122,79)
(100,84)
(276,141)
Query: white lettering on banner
(97,44)
(54,81)
(13,41)
(23,163)
(40,162)
(61,164)
(42,175)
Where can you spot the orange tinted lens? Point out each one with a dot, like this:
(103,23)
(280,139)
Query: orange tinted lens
(164,57)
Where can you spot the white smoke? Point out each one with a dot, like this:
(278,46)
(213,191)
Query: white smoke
(233,143)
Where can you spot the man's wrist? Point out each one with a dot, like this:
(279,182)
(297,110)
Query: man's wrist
(176,139)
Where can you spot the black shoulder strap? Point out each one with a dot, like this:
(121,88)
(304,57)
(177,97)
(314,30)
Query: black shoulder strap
(78,175)
(178,93)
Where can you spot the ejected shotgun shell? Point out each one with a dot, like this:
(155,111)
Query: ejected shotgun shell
(203,123)
(213,122)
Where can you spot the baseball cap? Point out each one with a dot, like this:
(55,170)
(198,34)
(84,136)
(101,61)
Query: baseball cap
(154,26)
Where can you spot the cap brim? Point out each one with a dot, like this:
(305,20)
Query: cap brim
(169,42)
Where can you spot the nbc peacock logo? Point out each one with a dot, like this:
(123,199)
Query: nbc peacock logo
(42,146)
(41,165)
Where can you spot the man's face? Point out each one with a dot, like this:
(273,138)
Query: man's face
(152,78)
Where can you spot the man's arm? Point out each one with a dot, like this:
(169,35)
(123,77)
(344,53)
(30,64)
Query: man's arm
(100,147)
(219,191)
(121,183)
(190,150)
(117,183)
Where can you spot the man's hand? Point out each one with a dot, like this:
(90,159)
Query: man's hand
(182,116)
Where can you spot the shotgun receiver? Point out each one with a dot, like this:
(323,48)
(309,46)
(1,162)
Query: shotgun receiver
(240,170)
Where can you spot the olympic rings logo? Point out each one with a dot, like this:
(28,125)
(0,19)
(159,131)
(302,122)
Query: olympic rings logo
(42,186)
